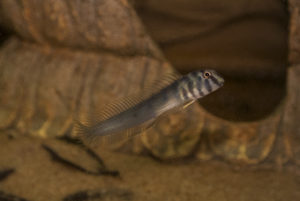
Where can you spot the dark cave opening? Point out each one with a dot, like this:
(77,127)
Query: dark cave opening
(245,41)
(4,34)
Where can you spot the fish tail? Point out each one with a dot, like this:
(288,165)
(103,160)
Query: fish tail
(84,132)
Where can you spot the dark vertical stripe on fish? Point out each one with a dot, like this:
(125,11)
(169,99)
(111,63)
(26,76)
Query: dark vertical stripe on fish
(195,75)
(207,85)
(191,87)
(199,88)
(215,81)
(184,93)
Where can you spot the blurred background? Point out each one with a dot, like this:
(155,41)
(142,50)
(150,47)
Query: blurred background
(246,41)
(61,60)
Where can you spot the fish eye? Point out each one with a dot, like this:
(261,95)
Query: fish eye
(206,74)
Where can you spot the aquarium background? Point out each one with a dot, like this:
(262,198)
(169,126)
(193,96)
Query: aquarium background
(63,60)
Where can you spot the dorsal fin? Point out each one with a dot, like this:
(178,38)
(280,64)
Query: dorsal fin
(161,83)
(120,105)
(114,108)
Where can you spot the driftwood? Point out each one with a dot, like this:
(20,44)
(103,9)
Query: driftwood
(68,57)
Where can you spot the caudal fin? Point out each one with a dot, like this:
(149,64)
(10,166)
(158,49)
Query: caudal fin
(84,132)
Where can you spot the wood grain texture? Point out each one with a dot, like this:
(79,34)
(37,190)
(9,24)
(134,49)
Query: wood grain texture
(294,40)
(110,26)
(291,117)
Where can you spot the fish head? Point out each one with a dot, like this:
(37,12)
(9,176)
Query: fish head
(208,81)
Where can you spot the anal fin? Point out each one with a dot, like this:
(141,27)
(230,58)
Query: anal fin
(116,138)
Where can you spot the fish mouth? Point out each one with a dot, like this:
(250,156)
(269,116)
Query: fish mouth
(219,78)
(222,81)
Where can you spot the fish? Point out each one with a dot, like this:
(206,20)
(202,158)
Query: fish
(137,113)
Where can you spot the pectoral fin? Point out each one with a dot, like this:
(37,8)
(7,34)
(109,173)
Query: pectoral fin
(188,104)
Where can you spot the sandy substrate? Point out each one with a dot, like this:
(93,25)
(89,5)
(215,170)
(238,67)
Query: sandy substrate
(39,178)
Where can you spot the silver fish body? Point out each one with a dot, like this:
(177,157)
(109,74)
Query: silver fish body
(139,116)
